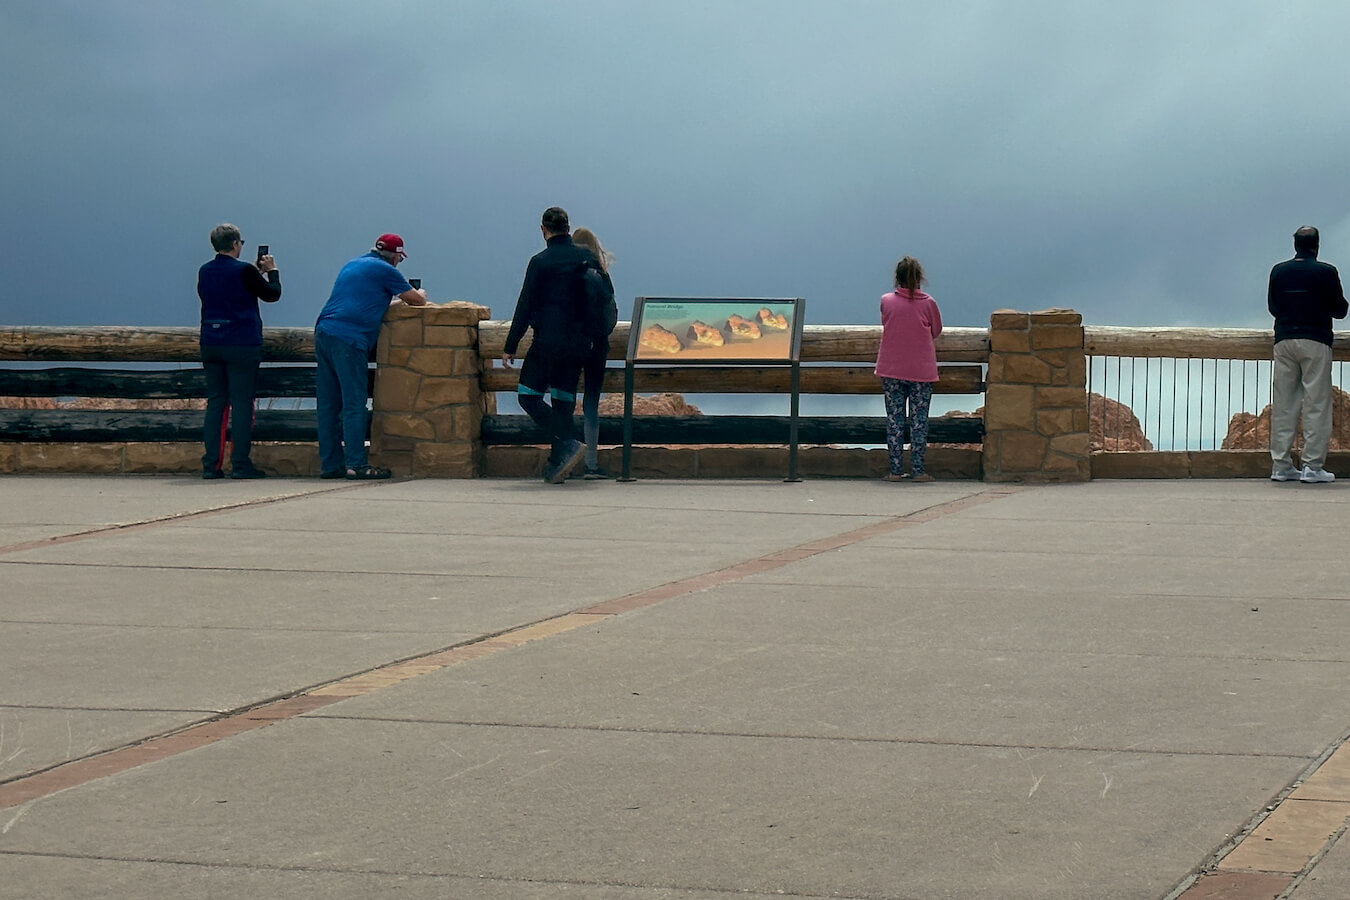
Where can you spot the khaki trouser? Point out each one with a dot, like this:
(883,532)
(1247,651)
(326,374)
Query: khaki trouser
(1300,381)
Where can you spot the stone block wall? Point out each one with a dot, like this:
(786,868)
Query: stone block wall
(428,404)
(289,459)
(1035,411)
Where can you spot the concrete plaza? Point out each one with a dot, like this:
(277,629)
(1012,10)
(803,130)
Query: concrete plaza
(497,688)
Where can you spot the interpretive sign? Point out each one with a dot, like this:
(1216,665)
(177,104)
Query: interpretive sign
(691,331)
(683,330)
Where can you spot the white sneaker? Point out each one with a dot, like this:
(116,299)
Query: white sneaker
(1316,476)
(1290,474)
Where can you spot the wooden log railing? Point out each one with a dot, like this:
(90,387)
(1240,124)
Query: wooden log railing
(175,384)
(98,425)
(837,361)
(953,379)
(288,372)
(832,357)
(119,344)
(1191,343)
(738,430)
(1207,399)
(820,343)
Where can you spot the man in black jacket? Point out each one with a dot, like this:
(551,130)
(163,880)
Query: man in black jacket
(1304,296)
(553,303)
(231,341)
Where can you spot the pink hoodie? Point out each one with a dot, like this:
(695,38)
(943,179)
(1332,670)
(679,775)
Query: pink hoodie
(909,322)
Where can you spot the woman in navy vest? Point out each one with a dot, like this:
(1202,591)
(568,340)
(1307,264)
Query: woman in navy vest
(232,348)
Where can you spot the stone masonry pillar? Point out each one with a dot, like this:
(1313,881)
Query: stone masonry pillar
(1035,412)
(428,401)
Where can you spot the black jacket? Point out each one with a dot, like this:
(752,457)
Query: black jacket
(553,300)
(1304,296)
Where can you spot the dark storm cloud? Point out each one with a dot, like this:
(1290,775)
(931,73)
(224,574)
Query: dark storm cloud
(1144,163)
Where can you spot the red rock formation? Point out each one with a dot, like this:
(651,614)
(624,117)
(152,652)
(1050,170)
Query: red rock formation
(27,403)
(97,403)
(1113,426)
(1252,432)
(668,404)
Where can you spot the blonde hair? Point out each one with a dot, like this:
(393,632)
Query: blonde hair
(586,238)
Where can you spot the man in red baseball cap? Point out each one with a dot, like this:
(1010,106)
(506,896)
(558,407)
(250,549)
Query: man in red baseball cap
(344,335)
(390,244)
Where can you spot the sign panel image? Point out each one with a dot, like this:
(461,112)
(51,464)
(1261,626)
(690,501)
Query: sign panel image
(689,330)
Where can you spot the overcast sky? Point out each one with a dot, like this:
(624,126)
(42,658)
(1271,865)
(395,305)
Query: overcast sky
(1144,162)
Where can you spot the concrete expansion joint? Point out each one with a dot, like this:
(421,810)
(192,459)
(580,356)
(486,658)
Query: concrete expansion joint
(125,527)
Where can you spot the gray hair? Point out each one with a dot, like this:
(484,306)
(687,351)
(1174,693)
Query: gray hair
(223,237)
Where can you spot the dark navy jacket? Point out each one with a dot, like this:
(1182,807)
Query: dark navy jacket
(230,290)
(1304,296)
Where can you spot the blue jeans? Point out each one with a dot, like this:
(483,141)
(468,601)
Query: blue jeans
(341,391)
(593,380)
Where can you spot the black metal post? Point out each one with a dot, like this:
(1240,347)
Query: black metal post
(627,474)
(793,477)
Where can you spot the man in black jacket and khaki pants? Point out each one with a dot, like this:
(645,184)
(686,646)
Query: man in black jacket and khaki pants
(1304,296)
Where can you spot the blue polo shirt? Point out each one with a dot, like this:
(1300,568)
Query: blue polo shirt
(360,296)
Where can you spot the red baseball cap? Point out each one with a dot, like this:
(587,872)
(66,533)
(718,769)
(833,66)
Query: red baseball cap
(390,243)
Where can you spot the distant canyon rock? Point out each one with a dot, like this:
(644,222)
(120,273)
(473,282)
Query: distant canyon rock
(1113,426)
(97,403)
(668,404)
(1252,432)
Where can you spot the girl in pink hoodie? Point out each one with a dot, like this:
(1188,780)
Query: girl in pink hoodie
(907,364)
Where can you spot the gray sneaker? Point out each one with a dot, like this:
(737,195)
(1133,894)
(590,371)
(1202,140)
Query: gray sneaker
(1316,476)
(572,456)
(1289,474)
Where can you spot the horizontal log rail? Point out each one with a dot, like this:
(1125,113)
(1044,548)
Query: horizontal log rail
(130,344)
(683,430)
(273,381)
(94,425)
(820,343)
(838,345)
(1190,343)
(953,379)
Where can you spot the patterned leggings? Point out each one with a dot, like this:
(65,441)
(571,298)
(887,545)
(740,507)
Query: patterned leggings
(918,394)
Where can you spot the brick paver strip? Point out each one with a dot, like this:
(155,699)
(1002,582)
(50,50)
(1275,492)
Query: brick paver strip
(1286,844)
(26,789)
(1237,886)
(781,558)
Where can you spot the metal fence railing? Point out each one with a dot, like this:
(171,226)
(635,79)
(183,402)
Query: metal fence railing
(1186,388)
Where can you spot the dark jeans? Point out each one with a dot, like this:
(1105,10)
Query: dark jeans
(231,381)
(342,391)
(555,374)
